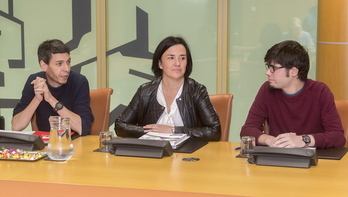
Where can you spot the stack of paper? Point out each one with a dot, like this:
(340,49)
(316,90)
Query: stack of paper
(175,139)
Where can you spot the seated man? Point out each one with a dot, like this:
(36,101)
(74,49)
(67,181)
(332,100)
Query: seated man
(300,112)
(55,91)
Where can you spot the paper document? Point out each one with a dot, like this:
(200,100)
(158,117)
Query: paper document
(175,139)
(22,132)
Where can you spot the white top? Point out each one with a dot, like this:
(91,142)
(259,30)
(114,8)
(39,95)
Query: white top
(173,118)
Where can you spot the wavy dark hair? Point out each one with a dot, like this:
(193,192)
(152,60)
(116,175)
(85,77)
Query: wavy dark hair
(162,47)
(49,47)
(290,54)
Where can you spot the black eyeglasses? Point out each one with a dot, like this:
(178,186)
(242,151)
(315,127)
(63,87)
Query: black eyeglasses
(272,68)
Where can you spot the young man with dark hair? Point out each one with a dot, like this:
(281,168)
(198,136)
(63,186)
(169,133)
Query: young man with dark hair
(55,91)
(299,112)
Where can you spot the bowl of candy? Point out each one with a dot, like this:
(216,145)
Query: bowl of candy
(20,155)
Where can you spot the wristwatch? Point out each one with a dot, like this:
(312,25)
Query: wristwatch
(306,139)
(59,106)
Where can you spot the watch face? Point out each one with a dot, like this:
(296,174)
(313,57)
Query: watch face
(306,139)
(59,106)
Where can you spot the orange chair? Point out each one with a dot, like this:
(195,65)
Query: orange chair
(100,105)
(342,108)
(223,106)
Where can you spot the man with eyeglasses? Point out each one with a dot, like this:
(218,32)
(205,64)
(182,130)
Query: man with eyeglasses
(291,110)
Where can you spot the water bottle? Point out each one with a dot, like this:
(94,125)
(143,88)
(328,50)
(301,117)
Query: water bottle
(59,145)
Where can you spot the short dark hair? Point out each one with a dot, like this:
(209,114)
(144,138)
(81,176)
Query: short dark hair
(162,47)
(290,54)
(49,47)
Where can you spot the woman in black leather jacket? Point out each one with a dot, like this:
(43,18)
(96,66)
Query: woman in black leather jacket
(173,102)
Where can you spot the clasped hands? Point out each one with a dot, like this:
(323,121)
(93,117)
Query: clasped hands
(285,140)
(40,88)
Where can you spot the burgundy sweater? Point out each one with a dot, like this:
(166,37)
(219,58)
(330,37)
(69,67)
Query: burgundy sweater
(312,111)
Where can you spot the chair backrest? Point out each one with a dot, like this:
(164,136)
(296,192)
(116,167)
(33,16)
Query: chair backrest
(342,108)
(100,105)
(223,106)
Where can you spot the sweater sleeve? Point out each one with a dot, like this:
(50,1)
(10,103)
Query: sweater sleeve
(333,135)
(254,124)
(81,105)
(27,96)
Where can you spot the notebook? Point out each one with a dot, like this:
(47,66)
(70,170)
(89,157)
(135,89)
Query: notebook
(331,153)
(190,146)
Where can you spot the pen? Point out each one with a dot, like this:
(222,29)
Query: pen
(237,148)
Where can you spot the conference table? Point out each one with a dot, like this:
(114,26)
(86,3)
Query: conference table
(217,173)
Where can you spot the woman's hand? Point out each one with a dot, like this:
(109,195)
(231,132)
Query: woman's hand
(159,128)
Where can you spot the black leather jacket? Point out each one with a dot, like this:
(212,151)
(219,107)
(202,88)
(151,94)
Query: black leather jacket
(198,114)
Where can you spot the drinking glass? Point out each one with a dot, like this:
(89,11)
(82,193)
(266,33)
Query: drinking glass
(104,136)
(247,146)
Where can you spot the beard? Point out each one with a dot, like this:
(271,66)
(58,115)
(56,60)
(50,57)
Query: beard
(272,88)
